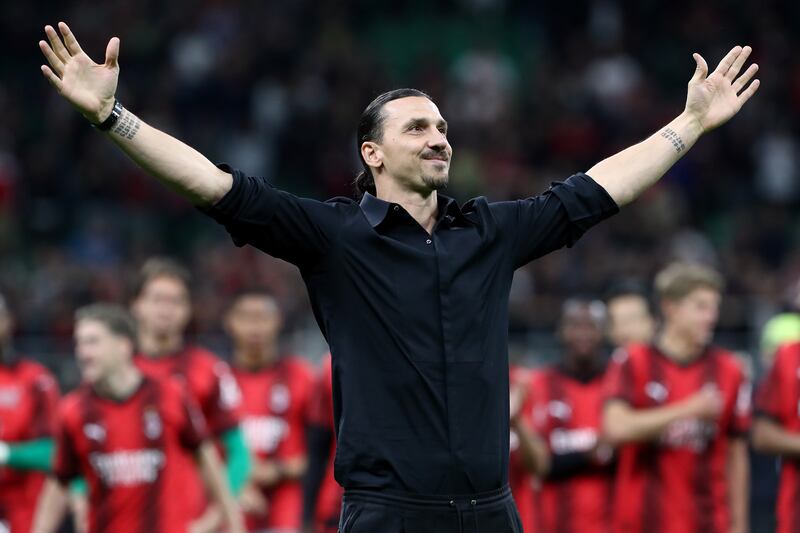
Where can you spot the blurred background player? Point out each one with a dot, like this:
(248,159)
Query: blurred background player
(630,319)
(276,390)
(566,402)
(322,502)
(776,430)
(679,409)
(783,327)
(162,308)
(131,437)
(28,403)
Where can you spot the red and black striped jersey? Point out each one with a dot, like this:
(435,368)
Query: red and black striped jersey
(520,479)
(274,417)
(566,412)
(778,398)
(133,454)
(28,405)
(677,483)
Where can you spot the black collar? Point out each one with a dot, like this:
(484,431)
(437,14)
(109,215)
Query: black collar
(376,209)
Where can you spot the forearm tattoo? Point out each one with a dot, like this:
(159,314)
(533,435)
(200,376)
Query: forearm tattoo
(127,126)
(670,135)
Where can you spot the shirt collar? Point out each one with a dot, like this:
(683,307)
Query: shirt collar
(376,209)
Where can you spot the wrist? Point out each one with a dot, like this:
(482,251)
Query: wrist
(692,123)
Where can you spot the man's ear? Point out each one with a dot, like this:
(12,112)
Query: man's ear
(372,154)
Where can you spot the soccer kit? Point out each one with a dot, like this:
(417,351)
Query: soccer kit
(134,455)
(520,479)
(778,398)
(677,483)
(213,388)
(577,494)
(274,415)
(28,404)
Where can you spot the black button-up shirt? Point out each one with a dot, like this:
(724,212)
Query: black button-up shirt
(417,324)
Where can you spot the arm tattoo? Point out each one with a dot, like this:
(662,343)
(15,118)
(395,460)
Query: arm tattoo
(670,135)
(128,125)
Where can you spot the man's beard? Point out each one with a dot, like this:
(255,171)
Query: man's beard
(435,183)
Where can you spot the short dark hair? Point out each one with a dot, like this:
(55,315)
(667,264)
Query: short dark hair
(156,267)
(113,316)
(370,128)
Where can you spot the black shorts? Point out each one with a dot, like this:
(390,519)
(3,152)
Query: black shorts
(366,511)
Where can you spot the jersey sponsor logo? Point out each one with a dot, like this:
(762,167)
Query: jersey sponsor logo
(279,398)
(560,410)
(265,433)
(10,397)
(151,421)
(656,391)
(573,440)
(94,432)
(691,433)
(127,468)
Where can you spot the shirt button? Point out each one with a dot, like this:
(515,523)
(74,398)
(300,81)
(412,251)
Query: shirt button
(428,241)
(397,208)
(452,503)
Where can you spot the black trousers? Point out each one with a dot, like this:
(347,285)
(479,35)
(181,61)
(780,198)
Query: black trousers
(366,511)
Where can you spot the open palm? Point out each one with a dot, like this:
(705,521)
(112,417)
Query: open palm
(88,86)
(713,100)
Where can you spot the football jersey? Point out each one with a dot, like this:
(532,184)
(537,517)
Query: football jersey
(522,482)
(329,498)
(274,416)
(133,454)
(778,398)
(677,483)
(28,406)
(566,412)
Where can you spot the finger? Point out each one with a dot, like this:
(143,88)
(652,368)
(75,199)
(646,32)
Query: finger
(56,64)
(750,91)
(112,52)
(51,77)
(702,68)
(737,64)
(69,39)
(56,44)
(742,80)
(728,60)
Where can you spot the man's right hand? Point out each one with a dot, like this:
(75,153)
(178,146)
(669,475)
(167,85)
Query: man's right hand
(705,403)
(88,86)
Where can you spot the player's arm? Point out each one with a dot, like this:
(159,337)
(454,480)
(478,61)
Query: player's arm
(711,101)
(34,454)
(269,472)
(237,459)
(51,507)
(623,423)
(532,449)
(739,484)
(91,87)
(769,436)
(212,471)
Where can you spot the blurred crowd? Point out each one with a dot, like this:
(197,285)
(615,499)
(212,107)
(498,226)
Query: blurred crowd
(533,91)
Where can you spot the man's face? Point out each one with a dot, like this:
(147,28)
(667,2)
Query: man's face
(98,350)
(630,320)
(163,308)
(582,331)
(414,150)
(253,322)
(695,315)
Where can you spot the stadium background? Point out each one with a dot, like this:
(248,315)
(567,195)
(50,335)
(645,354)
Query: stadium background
(534,91)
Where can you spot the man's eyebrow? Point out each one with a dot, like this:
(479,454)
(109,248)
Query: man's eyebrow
(423,122)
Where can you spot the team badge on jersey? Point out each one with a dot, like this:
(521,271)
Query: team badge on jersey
(94,432)
(152,423)
(560,410)
(279,398)
(656,391)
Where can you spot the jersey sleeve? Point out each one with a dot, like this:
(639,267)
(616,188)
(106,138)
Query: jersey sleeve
(222,407)
(772,398)
(297,230)
(554,219)
(66,461)
(742,406)
(619,382)
(192,430)
(45,395)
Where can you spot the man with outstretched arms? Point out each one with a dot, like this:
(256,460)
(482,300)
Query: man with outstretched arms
(28,403)
(130,437)
(410,290)
(679,408)
(276,389)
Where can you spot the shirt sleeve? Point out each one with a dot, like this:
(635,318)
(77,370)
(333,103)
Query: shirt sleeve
(742,407)
(222,411)
(193,430)
(772,400)
(297,230)
(554,219)
(66,462)
(45,393)
(619,382)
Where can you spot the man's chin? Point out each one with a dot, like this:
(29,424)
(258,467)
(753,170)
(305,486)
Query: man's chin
(436,183)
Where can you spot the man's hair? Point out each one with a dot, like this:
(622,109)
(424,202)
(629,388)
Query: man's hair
(628,288)
(156,267)
(113,316)
(370,128)
(678,280)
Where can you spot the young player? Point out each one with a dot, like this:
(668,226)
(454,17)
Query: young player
(162,309)
(679,408)
(275,394)
(630,319)
(28,402)
(130,437)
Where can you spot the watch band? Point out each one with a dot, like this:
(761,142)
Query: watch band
(112,119)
